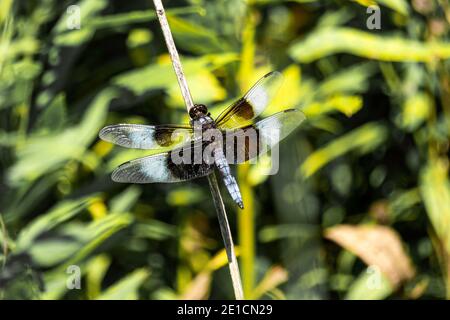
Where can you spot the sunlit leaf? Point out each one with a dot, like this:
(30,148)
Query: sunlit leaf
(204,87)
(184,196)
(324,42)
(125,200)
(416,110)
(126,288)
(96,270)
(348,105)
(160,76)
(290,93)
(349,80)
(363,139)
(401,6)
(370,285)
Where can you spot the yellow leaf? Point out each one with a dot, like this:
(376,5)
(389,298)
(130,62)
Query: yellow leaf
(290,92)
(348,105)
(416,110)
(325,42)
(98,209)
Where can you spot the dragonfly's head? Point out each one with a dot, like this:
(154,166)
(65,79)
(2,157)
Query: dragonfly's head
(198,111)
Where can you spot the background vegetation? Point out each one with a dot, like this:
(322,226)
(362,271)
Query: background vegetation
(360,208)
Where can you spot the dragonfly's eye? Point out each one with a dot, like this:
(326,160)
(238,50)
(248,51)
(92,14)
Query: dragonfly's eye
(202,108)
(193,113)
(197,111)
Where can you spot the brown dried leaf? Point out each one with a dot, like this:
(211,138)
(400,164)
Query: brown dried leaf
(198,289)
(375,245)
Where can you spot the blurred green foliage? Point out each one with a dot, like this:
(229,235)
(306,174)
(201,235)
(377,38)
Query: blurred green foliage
(360,208)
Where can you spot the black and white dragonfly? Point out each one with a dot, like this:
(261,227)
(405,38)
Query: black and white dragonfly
(232,140)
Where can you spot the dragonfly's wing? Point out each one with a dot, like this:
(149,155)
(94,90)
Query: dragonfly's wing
(252,104)
(140,136)
(164,167)
(253,140)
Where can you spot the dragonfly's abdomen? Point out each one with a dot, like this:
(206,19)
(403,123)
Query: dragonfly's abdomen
(227,177)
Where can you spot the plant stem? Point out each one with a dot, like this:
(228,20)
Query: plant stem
(246,228)
(227,237)
(246,217)
(217,198)
(176,63)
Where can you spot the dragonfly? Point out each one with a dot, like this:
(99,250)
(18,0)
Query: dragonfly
(228,145)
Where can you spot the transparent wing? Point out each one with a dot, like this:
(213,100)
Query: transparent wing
(164,167)
(140,136)
(252,104)
(253,140)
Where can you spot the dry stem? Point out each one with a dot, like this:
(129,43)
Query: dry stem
(218,202)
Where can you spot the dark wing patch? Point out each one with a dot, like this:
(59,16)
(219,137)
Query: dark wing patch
(139,136)
(248,142)
(254,102)
(242,144)
(163,167)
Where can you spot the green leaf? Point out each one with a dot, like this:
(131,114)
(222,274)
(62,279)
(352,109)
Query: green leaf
(435,190)
(88,9)
(196,38)
(335,18)
(54,116)
(132,17)
(401,6)
(96,271)
(60,213)
(161,76)
(349,80)
(98,231)
(126,288)
(364,139)
(46,253)
(370,285)
(95,234)
(42,154)
(125,200)
(155,230)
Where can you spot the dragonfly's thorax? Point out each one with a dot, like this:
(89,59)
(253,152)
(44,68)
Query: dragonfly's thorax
(205,127)
(202,122)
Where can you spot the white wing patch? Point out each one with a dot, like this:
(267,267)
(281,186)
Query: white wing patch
(145,170)
(259,98)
